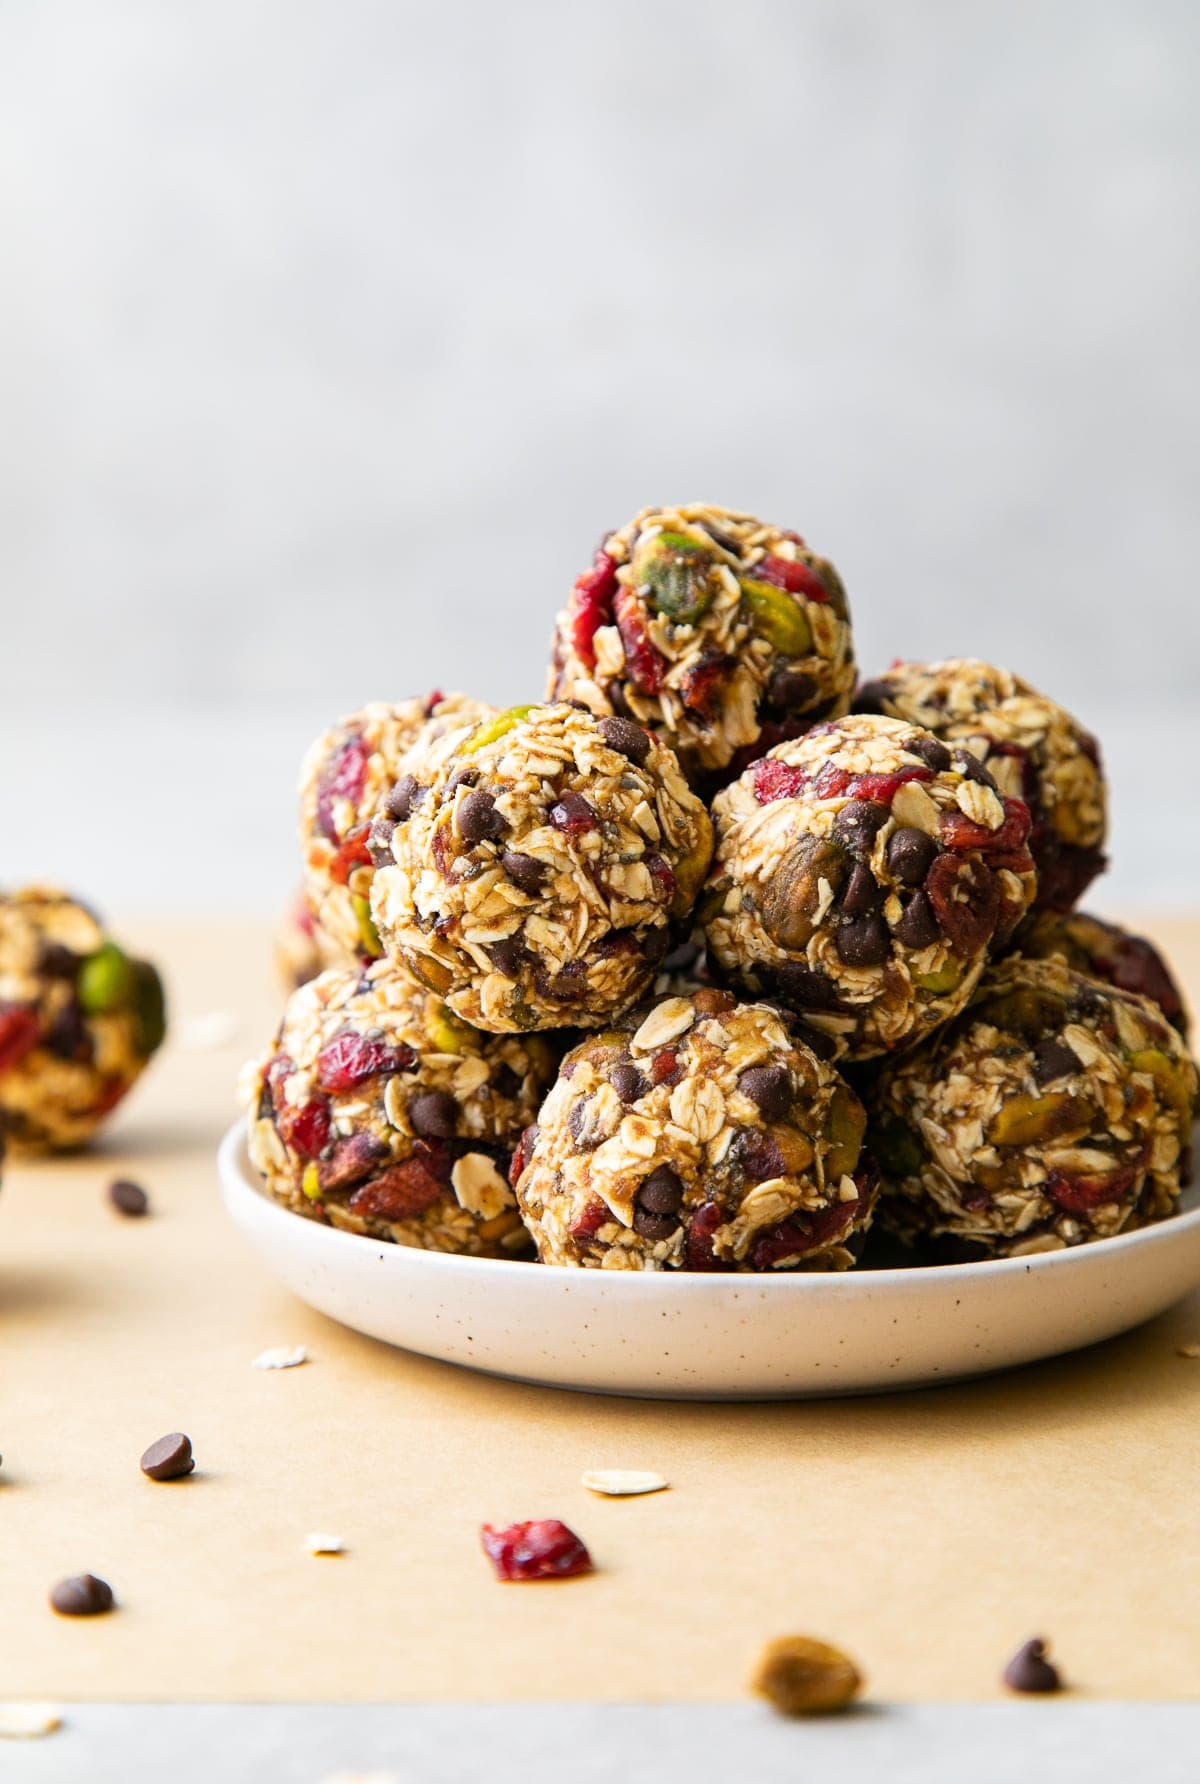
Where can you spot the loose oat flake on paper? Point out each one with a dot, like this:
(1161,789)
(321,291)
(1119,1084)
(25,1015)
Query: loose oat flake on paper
(623,1483)
(281,1358)
(319,1542)
(28,1721)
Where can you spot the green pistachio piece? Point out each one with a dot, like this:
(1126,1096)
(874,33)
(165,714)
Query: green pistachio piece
(310,1183)
(678,571)
(491,729)
(949,978)
(149,1006)
(447,1032)
(845,1125)
(367,932)
(105,981)
(899,1149)
(792,897)
(1032,1120)
(778,617)
(1169,1078)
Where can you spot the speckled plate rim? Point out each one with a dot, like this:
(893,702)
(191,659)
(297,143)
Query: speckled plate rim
(237,1172)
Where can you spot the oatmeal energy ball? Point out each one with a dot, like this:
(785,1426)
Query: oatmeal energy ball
(377,1110)
(1105,951)
(697,1135)
(79,1019)
(352,775)
(861,875)
(539,866)
(1033,749)
(1053,1111)
(301,949)
(721,633)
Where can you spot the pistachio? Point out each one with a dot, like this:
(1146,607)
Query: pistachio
(793,898)
(677,571)
(310,1183)
(947,978)
(367,932)
(804,1677)
(493,729)
(149,1006)
(447,1032)
(1172,1083)
(845,1124)
(106,980)
(1031,1120)
(778,617)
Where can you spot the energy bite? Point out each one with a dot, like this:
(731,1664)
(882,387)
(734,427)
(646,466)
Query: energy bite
(1053,1111)
(1034,750)
(352,776)
(699,1134)
(862,875)
(1105,951)
(301,949)
(721,633)
(376,1109)
(539,867)
(79,1019)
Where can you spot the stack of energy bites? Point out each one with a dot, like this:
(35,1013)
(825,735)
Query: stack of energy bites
(708,961)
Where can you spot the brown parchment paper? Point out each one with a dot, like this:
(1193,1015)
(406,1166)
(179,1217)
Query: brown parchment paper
(928,1533)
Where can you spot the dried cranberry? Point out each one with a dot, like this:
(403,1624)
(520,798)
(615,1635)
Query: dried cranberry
(960,832)
(965,896)
(399,1193)
(702,686)
(342,777)
(522,1153)
(701,1227)
(18,1034)
(539,1549)
(833,782)
(794,575)
(594,1216)
(1080,1194)
(774,780)
(353,1158)
(665,1067)
(350,1058)
(306,1129)
(759,1157)
(591,606)
(643,660)
(574,815)
(353,852)
(802,1233)
(660,872)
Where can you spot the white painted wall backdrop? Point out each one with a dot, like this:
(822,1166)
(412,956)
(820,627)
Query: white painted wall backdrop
(333,332)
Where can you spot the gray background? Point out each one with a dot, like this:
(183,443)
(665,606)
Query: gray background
(333,333)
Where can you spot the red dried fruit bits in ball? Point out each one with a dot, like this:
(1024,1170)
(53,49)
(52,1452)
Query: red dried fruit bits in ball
(539,1549)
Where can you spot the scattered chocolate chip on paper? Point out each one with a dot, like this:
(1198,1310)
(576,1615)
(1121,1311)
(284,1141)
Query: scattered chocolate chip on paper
(82,1595)
(128,1197)
(170,1458)
(1029,1669)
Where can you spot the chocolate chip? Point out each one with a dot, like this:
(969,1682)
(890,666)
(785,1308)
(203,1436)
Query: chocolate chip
(567,986)
(1029,1670)
(523,870)
(1053,1059)
(627,1081)
(758,1155)
(465,776)
(577,1121)
(478,819)
(508,956)
(83,1595)
(790,690)
(873,696)
(862,892)
(863,941)
(170,1458)
(433,1115)
(769,1087)
(626,738)
(58,962)
(403,796)
(909,853)
(653,1226)
(929,750)
(807,987)
(917,927)
(972,769)
(661,1192)
(379,841)
(68,1036)
(857,825)
(505,1082)
(128,1197)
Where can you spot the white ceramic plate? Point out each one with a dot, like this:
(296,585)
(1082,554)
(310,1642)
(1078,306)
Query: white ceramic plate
(718,1337)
